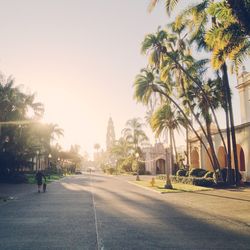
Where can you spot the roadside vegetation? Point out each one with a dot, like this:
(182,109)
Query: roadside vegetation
(176,80)
(27,144)
(159,186)
(184,85)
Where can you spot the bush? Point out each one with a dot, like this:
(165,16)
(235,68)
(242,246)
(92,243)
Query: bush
(15,178)
(109,170)
(209,174)
(197,172)
(224,175)
(181,172)
(204,182)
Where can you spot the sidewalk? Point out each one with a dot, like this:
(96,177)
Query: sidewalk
(16,190)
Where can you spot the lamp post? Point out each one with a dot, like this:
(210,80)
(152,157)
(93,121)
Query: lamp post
(137,163)
(58,165)
(37,155)
(168,184)
(49,157)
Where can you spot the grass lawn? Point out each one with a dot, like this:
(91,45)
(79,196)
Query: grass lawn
(32,180)
(177,187)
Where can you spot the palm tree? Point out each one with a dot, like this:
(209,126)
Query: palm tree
(160,47)
(147,84)
(211,87)
(227,38)
(164,119)
(121,150)
(239,8)
(134,134)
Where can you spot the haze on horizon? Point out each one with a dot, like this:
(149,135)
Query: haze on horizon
(81,58)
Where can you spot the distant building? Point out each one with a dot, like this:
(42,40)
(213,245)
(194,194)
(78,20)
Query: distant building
(110,136)
(155,159)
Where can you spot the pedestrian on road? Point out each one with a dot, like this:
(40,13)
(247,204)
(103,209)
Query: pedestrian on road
(39,178)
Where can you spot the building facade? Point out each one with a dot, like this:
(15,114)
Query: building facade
(199,157)
(156,158)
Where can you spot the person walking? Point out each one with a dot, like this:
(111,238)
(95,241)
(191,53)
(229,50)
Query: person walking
(39,179)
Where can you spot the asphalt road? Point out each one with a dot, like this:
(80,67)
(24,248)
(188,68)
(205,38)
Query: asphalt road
(101,212)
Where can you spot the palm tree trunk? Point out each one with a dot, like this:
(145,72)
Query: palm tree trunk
(185,116)
(226,83)
(199,85)
(175,150)
(206,134)
(187,148)
(229,165)
(215,162)
(194,115)
(171,150)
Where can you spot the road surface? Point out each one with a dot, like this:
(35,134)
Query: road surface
(102,212)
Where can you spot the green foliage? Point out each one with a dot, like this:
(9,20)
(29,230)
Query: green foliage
(181,172)
(209,174)
(21,135)
(110,170)
(205,182)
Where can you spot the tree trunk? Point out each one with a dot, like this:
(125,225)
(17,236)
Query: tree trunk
(226,84)
(185,116)
(199,85)
(175,150)
(206,134)
(187,148)
(171,150)
(229,165)
(215,162)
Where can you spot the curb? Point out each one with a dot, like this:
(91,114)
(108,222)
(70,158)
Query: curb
(147,188)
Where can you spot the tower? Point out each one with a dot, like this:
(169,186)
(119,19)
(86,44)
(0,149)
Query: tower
(244,92)
(110,136)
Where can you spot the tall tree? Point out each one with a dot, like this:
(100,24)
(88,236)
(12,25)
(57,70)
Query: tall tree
(134,134)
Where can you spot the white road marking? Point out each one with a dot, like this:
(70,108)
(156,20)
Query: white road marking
(99,242)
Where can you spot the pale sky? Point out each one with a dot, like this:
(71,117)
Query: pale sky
(80,57)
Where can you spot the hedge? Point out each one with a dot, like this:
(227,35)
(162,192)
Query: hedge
(205,182)
(209,174)
(181,172)
(197,172)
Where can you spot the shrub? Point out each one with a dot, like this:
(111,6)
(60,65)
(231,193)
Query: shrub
(110,170)
(15,178)
(205,182)
(224,175)
(197,172)
(181,172)
(209,174)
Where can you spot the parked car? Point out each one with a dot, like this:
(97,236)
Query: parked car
(90,169)
(78,172)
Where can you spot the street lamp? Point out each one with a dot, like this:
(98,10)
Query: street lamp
(49,157)
(137,163)
(37,155)
(168,184)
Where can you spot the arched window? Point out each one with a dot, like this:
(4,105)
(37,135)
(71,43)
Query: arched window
(208,163)
(222,157)
(241,158)
(160,166)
